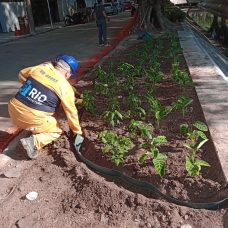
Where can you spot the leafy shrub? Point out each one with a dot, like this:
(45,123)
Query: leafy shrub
(196,138)
(174,13)
(117,145)
(158,159)
(89,101)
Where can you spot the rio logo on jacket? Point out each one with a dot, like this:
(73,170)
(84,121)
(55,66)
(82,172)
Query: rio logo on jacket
(37,96)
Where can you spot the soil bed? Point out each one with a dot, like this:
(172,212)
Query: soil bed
(176,181)
(71,195)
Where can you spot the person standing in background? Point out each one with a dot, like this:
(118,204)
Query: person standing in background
(100,18)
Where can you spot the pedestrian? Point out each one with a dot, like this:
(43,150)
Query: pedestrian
(45,87)
(100,18)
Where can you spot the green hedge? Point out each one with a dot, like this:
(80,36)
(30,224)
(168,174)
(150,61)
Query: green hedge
(173,13)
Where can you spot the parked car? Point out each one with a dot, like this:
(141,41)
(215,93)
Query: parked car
(109,8)
(127,5)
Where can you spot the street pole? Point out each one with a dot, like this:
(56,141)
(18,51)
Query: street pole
(30,17)
(49,13)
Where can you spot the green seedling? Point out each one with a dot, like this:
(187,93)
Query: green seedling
(102,88)
(102,76)
(134,104)
(181,102)
(117,145)
(126,69)
(158,159)
(158,109)
(197,139)
(105,77)
(154,63)
(129,85)
(174,49)
(180,76)
(138,71)
(113,115)
(137,126)
(175,68)
(154,75)
(145,56)
(89,101)
(184,80)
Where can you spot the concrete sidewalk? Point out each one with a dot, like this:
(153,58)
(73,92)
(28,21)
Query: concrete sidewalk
(212,90)
(10,36)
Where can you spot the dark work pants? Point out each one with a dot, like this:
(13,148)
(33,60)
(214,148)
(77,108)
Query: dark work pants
(102,31)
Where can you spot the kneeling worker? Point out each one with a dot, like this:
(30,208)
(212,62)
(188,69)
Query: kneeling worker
(45,87)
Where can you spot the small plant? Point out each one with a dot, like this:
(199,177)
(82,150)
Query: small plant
(181,102)
(154,76)
(126,69)
(143,129)
(180,76)
(117,145)
(158,159)
(158,109)
(102,75)
(138,71)
(134,103)
(89,101)
(197,139)
(129,85)
(174,49)
(113,115)
(102,88)
(184,80)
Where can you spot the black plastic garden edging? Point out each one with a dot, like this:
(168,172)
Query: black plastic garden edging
(143,184)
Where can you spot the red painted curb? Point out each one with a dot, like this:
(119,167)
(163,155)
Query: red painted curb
(11,133)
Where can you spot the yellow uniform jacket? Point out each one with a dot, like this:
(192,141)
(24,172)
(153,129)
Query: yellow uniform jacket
(43,90)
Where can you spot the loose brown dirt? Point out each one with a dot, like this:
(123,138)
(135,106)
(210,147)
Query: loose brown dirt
(72,195)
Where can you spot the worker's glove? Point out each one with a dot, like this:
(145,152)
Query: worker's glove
(78,101)
(78,142)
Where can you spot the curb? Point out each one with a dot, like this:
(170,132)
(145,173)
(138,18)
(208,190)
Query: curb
(29,35)
(11,133)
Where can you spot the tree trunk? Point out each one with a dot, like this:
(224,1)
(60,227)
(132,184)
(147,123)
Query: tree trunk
(159,15)
(150,15)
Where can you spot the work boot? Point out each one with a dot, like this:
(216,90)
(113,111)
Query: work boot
(28,145)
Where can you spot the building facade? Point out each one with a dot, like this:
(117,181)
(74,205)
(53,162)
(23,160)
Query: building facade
(42,11)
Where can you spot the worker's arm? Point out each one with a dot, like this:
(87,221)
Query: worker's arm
(24,74)
(67,101)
